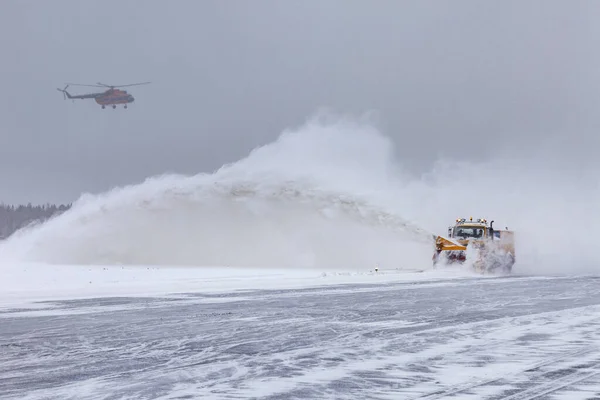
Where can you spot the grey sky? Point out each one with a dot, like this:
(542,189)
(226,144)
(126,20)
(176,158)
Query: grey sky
(231,75)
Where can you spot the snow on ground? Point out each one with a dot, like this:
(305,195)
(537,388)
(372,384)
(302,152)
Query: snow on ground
(24,283)
(485,339)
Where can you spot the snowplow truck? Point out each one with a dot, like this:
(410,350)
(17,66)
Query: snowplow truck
(486,249)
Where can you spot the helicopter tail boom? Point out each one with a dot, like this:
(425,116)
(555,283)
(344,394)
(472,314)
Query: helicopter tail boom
(80,96)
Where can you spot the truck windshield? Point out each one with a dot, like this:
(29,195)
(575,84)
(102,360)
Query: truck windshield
(468,232)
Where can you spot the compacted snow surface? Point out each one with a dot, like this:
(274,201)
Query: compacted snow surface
(399,336)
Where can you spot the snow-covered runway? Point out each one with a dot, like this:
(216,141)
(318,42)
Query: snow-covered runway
(472,338)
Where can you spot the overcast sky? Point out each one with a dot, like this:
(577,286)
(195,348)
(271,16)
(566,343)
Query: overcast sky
(229,75)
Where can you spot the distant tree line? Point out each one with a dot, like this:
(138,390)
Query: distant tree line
(13,218)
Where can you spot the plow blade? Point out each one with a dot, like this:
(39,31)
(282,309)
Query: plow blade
(444,244)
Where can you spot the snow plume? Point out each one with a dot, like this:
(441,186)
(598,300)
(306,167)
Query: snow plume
(316,197)
(329,194)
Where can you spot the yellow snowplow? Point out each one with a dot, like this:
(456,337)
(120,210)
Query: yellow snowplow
(487,249)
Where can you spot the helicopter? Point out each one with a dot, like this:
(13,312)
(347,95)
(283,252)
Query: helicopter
(110,97)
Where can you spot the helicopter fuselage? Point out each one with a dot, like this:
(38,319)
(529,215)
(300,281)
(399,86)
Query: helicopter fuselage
(111,97)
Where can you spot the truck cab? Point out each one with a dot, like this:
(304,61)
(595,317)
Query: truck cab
(464,231)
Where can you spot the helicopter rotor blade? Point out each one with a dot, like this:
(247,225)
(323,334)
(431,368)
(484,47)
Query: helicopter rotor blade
(131,84)
(79,84)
